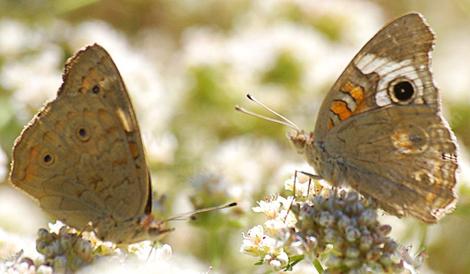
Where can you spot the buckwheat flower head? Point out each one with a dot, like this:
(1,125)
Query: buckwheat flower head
(66,250)
(270,240)
(337,228)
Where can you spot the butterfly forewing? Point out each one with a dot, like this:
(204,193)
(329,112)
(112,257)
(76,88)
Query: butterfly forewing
(401,48)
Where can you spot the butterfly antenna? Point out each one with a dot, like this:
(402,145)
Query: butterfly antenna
(187,215)
(283,120)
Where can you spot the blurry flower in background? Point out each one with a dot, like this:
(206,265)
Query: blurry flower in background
(12,243)
(160,148)
(20,39)
(243,163)
(3,165)
(35,78)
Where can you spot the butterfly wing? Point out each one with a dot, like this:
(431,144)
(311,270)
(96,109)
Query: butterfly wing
(82,156)
(380,127)
(402,48)
(403,156)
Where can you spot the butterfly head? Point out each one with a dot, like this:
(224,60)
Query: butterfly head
(301,140)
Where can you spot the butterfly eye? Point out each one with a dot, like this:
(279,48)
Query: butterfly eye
(401,91)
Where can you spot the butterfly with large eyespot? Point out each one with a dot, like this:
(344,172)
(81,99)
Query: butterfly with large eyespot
(82,158)
(380,128)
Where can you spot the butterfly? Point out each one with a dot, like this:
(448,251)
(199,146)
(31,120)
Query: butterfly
(380,128)
(82,158)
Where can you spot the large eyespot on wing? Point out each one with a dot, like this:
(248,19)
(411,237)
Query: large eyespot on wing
(392,68)
(400,54)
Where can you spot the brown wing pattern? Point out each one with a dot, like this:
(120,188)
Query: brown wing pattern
(81,156)
(401,48)
(403,156)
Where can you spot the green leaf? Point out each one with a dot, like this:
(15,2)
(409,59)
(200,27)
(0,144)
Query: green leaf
(318,266)
(260,262)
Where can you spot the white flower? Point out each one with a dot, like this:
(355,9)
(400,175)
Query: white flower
(270,208)
(278,260)
(251,241)
(12,243)
(56,226)
(146,250)
(276,228)
(275,264)
(304,186)
(275,208)
(270,245)
(164,252)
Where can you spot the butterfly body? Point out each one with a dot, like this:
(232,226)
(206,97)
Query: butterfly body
(380,129)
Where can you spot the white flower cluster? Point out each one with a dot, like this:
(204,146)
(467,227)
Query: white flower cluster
(274,241)
(268,241)
(333,228)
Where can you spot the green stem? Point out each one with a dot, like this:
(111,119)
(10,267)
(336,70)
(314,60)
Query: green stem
(316,263)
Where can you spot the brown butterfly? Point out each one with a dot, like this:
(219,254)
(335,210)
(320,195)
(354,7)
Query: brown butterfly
(380,129)
(81,157)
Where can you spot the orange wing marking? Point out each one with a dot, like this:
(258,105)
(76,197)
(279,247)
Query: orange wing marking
(357,93)
(351,101)
(341,109)
(330,124)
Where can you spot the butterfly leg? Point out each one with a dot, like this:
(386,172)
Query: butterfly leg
(294,190)
(312,176)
